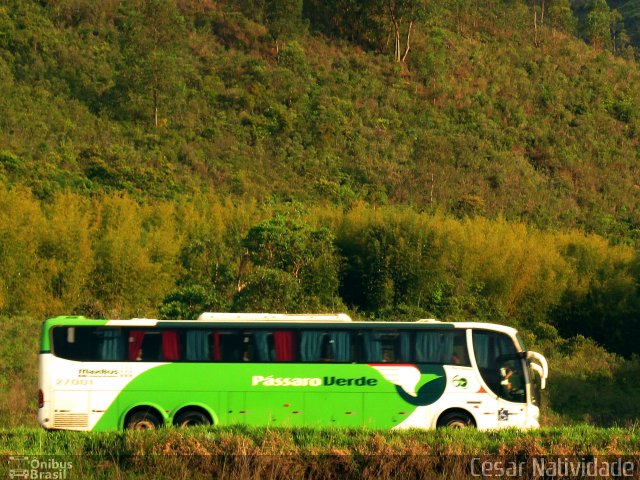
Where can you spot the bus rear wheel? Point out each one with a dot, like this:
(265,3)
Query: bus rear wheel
(456,420)
(143,421)
(191,418)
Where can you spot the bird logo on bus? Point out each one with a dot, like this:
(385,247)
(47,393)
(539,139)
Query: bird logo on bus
(418,385)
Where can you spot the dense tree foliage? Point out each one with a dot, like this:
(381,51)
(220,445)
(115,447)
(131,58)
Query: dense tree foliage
(630,14)
(110,256)
(397,158)
(159,98)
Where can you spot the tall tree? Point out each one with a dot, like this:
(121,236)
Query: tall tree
(561,16)
(403,14)
(150,73)
(292,262)
(284,19)
(619,37)
(599,24)
(538,19)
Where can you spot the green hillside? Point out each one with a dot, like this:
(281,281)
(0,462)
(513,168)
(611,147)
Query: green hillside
(165,157)
(162,99)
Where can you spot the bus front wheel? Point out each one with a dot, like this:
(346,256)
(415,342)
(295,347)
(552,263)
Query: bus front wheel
(456,419)
(143,421)
(192,418)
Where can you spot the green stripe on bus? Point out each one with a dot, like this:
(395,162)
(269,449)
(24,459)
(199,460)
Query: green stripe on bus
(279,394)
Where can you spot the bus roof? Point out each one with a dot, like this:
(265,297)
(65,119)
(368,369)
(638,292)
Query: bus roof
(274,320)
(277,317)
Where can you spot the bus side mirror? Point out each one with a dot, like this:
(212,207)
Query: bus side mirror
(537,368)
(542,368)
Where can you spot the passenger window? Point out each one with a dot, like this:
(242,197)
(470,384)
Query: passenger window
(460,355)
(341,346)
(441,347)
(319,346)
(231,346)
(238,346)
(384,346)
(112,345)
(197,346)
(283,341)
(275,346)
(88,344)
(313,344)
(154,346)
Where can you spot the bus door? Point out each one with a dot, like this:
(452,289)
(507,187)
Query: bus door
(512,391)
(502,370)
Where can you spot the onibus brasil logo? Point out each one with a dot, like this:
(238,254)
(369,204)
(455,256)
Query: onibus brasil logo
(39,468)
(416,385)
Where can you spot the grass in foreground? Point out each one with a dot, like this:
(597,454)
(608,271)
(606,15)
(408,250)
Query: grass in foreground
(241,452)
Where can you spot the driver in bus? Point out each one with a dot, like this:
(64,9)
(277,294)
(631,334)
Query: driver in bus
(505,375)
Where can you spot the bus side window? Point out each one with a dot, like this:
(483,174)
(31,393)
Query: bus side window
(112,344)
(197,345)
(268,346)
(153,346)
(62,348)
(341,346)
(313,345)
(460,354)
(89,344)
(136,339)
(247,350)
(326,350)
(324,346)
(232,346)
(260,346)
(170,346)
(370,347)
(447,347)
(283,341)
(391,347)
(151,350)
(404,347)
(380,346)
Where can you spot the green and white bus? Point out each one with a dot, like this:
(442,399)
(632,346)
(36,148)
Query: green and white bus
(288,370)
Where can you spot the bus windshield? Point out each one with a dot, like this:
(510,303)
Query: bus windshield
(500,365)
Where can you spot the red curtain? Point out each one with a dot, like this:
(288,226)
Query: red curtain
(135,344)
(216,347)
(283,341)
(170,347)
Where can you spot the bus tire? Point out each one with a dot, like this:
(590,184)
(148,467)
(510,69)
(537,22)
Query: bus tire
(143,420)
(192,418)
(456,419)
